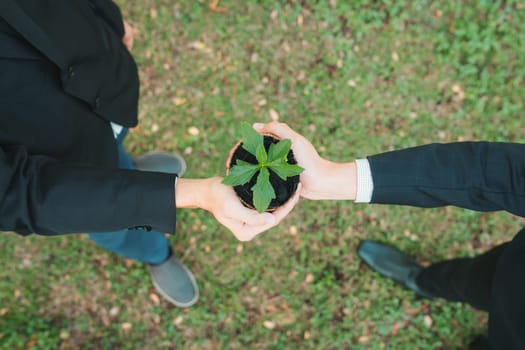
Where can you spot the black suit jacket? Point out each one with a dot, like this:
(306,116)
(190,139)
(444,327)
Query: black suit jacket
(82,38)
(475,175)
(64,75)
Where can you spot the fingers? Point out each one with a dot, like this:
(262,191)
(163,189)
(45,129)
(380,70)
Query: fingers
(250,217)
(246,232)
(253,218)
(127,40)
(240,230)
(251,225)
(280,130)
(284,210)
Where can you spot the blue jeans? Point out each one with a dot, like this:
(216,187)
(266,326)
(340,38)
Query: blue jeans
(150,247)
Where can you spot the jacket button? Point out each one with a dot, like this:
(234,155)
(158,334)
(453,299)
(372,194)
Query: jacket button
(70,72)
(97,102)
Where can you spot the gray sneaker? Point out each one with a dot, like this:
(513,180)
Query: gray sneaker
(164,162)
(175,282)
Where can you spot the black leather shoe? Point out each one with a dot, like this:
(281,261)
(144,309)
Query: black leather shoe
(393,263)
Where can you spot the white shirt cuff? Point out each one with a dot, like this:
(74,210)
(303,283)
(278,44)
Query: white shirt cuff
(116,129)
(365,183)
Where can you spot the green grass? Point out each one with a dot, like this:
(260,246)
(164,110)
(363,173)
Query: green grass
(355,77)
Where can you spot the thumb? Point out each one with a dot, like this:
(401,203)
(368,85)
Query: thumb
(280,130)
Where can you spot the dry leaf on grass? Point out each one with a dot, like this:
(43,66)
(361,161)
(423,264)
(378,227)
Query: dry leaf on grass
(199,46)
(269,324)
(273,115)
(114,311)
(193,131)
(214,7)
(307,335)
(428,321)
(178,101)
(178,321)
(153,13)
(154,298)
(309,278)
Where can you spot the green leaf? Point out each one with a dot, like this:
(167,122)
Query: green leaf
(251,139)
(240,173)
(263,192)
(285,170)
(261,155)
(279,150)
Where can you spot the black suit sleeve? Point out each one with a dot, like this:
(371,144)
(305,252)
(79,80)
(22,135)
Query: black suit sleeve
(480,176)
(41,195)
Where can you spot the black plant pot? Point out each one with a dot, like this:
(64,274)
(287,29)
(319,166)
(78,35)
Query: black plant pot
(284,189)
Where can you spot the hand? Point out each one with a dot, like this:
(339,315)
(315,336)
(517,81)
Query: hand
(127,39)
(321,179)
(221,200)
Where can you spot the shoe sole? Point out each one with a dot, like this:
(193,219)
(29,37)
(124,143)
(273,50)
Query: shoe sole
(175,302)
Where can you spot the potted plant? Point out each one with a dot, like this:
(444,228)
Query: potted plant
(262,170)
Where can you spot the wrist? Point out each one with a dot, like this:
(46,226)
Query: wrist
(195,193)
(340,181)
(189,192)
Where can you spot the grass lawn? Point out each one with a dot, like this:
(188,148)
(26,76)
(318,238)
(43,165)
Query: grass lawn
(357,78)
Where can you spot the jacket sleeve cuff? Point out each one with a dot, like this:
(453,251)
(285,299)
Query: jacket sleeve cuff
(157,205)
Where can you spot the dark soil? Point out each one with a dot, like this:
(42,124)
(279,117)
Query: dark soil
(283,189)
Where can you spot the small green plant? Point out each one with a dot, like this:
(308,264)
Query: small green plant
(276,159)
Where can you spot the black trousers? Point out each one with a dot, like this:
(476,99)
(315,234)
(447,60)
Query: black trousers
(467,280)
(494,282)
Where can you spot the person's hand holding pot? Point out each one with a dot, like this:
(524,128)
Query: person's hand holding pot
(321,178)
